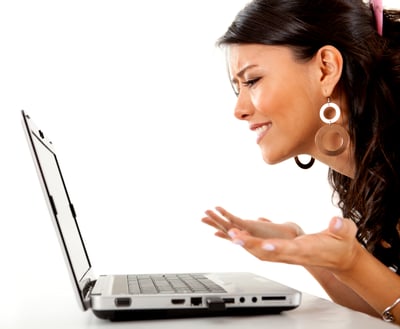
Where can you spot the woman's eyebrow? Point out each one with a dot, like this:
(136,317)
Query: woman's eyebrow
(242,72)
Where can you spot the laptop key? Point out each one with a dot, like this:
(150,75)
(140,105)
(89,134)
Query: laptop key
(171,283)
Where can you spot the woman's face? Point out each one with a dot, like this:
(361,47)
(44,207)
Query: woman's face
(279,97)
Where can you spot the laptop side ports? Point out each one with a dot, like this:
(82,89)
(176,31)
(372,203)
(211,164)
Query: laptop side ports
(196,301)
(123,301)
(178,301)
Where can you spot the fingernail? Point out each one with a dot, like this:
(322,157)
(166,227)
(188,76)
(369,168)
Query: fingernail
(268,247)
(338,223)
(238,242)
(231,233)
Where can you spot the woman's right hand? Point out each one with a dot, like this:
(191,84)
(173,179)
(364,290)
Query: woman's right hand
(263,228)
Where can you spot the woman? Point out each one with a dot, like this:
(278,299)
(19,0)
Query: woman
(322,78)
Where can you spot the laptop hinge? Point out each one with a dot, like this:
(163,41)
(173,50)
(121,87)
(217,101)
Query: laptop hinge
(87,291)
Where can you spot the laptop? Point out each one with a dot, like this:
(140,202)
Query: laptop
(145,296)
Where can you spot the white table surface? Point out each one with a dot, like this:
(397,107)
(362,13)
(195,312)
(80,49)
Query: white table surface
(62,312)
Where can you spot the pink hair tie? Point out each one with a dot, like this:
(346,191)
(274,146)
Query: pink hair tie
(377,6)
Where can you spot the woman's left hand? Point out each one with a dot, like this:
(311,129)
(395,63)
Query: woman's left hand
(335,248)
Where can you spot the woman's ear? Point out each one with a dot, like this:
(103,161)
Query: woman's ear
(330,62)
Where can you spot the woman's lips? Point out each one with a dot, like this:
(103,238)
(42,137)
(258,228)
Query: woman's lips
(261,130)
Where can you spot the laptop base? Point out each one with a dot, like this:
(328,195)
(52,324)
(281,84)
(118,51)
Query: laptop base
(132,315)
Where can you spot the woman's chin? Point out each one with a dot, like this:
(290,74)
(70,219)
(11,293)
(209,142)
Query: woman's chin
(270,160)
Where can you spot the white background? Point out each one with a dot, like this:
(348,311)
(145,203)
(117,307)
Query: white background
(136,99)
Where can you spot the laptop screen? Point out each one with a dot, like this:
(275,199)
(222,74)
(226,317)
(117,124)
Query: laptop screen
(62,208)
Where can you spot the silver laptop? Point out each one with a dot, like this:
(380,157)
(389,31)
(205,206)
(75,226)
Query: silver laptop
(145,296)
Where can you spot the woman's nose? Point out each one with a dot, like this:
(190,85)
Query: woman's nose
(242,109)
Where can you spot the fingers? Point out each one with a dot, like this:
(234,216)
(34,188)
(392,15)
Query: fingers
(224,221)
(216,221)
(296,228)
(275,250)
(262,219)
(342,228)
(334,248)
(297,251)
(209,221)
(221,233)
(287,243)
(232,218)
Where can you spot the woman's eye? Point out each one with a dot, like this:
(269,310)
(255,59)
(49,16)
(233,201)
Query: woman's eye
(250,82)
(235,88)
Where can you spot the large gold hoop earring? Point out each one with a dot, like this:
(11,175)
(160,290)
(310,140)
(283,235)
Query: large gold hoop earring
(331,139)
(302,165)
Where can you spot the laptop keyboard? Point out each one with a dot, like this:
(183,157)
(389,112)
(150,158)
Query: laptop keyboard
(171,284)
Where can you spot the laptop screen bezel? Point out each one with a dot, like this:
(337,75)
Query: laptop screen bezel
(80,284)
